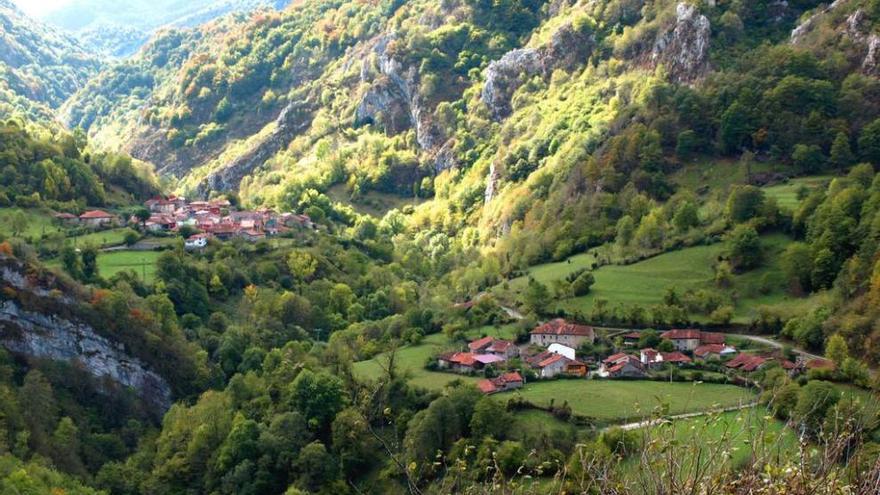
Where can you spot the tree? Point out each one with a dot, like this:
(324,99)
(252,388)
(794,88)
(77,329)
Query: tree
(65,447)
(649,338)
(318,396)
(490,419)
(581,285)
(744,247)
(841,153)
(625,229)
(836,349)
(302,265)
(71,262)
(815,399)
(744,203)
(536,297)
(666,346)
(686,216)
(797,265)
(869,142)
(315,467)
(18,223)
(130,237)
(89,256)
(352,441)
(142,214)
(808,158)
(736,128)
(824,269)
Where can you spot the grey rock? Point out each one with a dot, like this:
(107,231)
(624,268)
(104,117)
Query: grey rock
(50,337)
(684,48)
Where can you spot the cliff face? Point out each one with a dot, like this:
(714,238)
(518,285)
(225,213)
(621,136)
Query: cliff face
(684,48)
(29,330)
(504,76)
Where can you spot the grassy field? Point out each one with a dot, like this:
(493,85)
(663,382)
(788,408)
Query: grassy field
(736,431)
(371,203)
(39,222)
(786,194)
(622,400)
(645,282)
(104,238)
(142,262)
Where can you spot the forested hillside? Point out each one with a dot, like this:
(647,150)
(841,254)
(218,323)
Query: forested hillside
(388,186)
(40,67)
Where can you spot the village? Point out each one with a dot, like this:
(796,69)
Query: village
(203,220)
(554,350)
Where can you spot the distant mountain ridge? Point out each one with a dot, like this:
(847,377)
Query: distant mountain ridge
(121,32)
(40,66)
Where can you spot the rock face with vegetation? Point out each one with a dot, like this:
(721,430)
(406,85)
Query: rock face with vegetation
(28,328)
(684,49)
(41,336)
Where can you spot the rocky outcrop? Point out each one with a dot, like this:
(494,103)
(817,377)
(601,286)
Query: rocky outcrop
(871,62)
(491,184)
(505,75)
(683,49)
(293,120)
(49,337)
(855,29)
(801,30)
(566,49)
(392,99)
(41,317)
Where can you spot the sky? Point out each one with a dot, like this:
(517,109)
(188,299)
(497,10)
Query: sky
(39,8)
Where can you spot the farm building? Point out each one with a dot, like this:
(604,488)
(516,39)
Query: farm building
(96,218)
(622,366)
(714,351)
(688,340)
(502,383)
(559,331)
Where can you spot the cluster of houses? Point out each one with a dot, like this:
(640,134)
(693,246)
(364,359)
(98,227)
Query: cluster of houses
(558,337)
(216,219)
(702,346)
(551,353)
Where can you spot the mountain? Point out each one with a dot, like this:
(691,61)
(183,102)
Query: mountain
(393,183)
(120,32)
(40,67)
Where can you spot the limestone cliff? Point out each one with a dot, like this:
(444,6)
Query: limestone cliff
(38,319)
(683,49)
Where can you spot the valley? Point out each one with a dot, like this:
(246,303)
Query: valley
(418,247)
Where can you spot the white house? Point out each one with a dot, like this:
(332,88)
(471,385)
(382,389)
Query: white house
(197,241)
(562,350)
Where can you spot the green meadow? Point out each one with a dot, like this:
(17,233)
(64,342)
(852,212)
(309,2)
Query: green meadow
(645,283)
(619,400)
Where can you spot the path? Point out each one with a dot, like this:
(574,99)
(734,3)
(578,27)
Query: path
(652,422)
(774,343)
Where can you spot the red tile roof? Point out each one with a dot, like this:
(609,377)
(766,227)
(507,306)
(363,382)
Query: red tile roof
(675,357)
(511,377)
(480,344)
(550,360)
(633,335)
(706,349)
(562,327)
(746,362)
(615,358)
(65,216)
(711,338)
(486,386)
(500,346)
(680,334)
(96,214)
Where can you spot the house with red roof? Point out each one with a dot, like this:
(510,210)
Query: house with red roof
(621,365)
(481,344)
(559,331)
(714,351)
(503,348)
(466,362)
(502,383)
(552,365)
(687,340)
(631,338)
(96,218)
(66,218)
